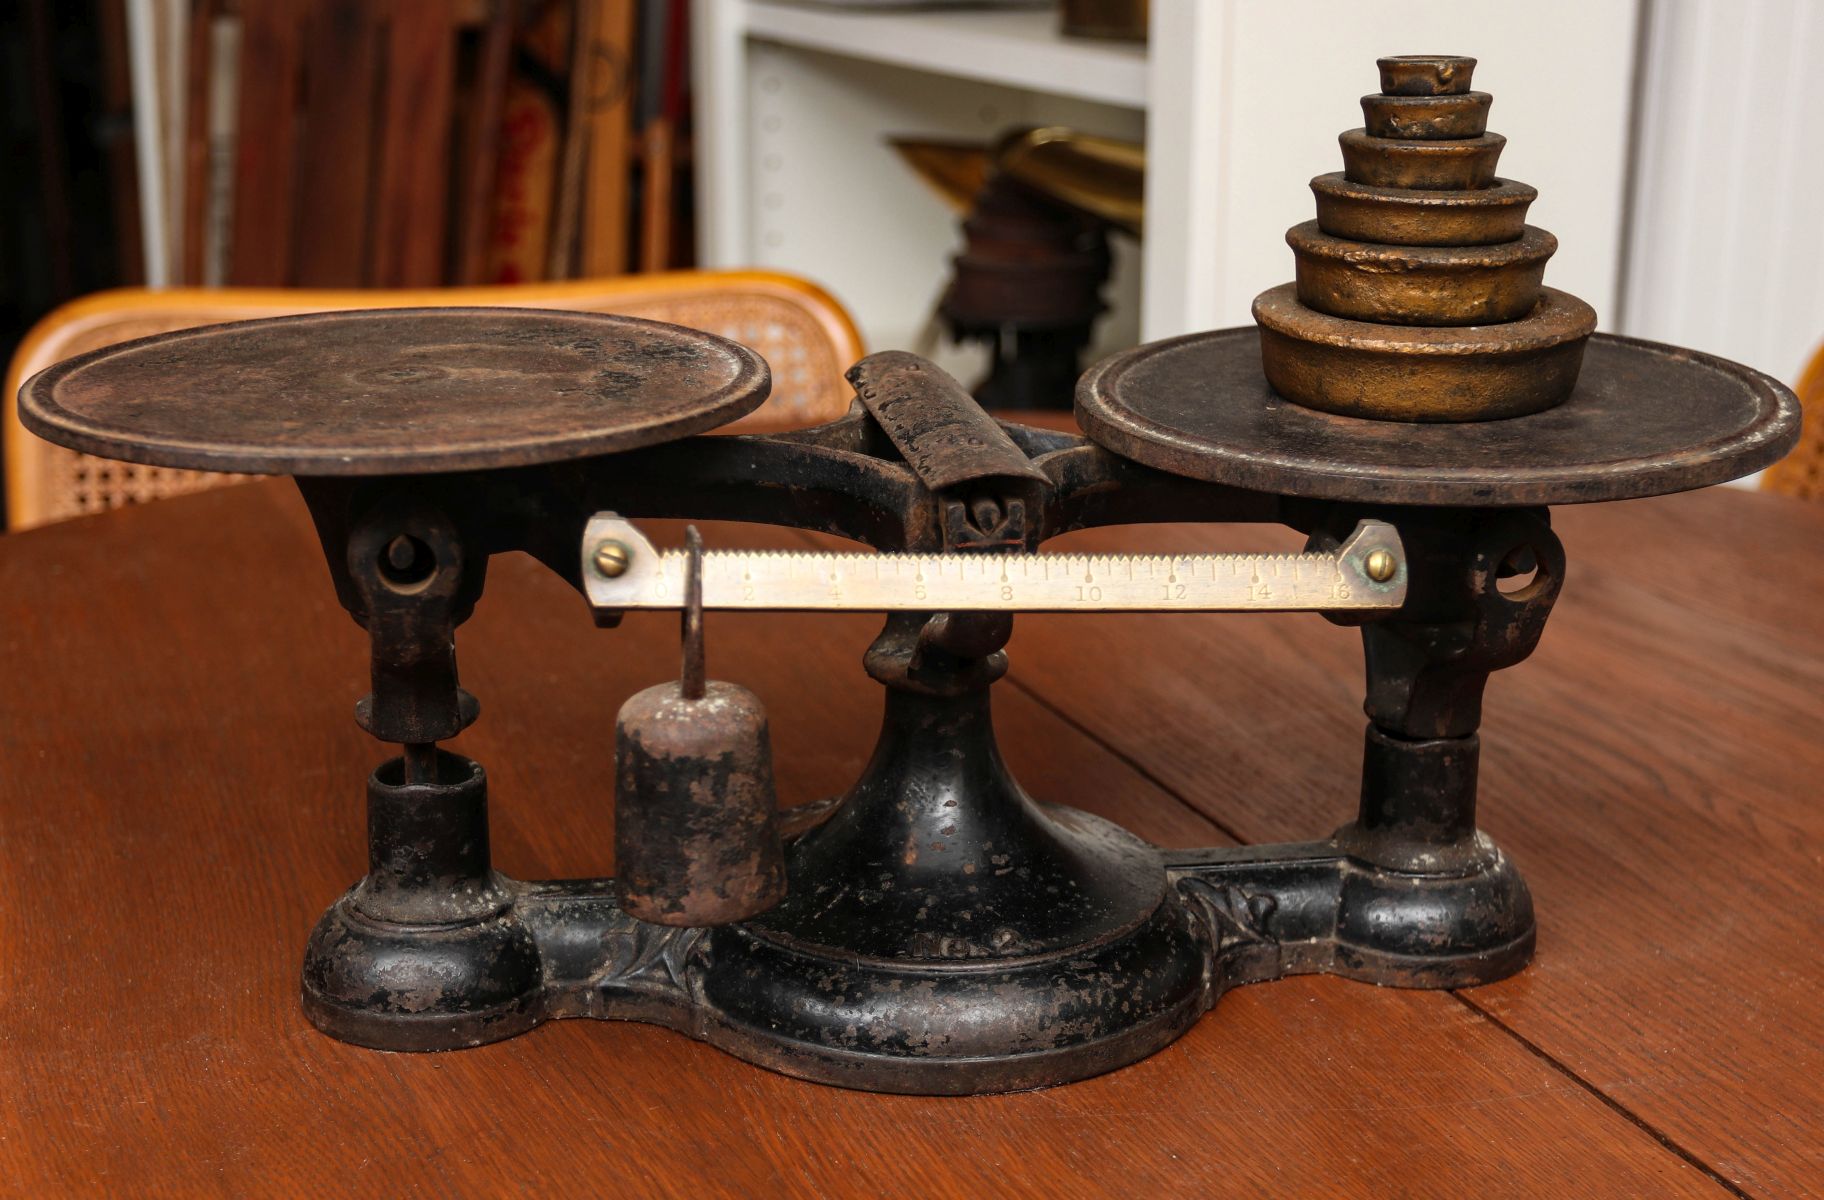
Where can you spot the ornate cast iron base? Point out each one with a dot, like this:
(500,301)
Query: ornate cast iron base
(983,1023)
(944,933)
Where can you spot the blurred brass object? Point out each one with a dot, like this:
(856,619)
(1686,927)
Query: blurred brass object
(1037,206)
(1425,74)
(1122,19)
(1417,373)
(1103,177)
(1419,285)
(1424,118)
(1412,217)
(956,171)
(1444,164)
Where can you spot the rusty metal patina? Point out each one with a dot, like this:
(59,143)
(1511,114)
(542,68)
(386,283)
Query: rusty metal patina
(696,837)
(1426,117)
(696,819)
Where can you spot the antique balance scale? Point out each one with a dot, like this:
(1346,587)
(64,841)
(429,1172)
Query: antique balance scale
(1413,403)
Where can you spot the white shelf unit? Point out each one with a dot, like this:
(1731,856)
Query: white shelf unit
(1016,48)
(1238,101)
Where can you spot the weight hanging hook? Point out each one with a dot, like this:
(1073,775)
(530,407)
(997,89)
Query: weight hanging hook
(691,683)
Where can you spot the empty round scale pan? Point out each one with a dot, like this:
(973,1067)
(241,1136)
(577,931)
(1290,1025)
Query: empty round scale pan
(394,391)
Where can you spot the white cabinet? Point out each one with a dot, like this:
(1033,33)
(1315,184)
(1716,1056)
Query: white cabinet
(1239,103)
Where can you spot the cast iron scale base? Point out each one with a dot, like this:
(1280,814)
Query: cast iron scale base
(1024,943)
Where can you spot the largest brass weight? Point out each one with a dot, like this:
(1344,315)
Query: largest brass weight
(1418,372)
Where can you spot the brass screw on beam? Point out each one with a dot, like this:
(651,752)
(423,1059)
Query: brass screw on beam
(611,559)
(1379,565)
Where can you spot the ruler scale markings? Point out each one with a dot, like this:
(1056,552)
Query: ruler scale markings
(740,579)
(918,582)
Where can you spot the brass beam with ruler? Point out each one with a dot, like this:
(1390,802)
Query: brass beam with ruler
(622,570)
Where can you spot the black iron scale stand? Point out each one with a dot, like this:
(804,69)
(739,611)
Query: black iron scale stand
(1024,943)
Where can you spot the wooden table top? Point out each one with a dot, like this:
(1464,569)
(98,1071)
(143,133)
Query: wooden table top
(182,796)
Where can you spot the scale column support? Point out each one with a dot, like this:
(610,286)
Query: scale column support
(1435,902)
(414,580)
(426,951)
(1481,586)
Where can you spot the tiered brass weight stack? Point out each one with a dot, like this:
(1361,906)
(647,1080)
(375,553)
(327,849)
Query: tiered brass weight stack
(1419,294)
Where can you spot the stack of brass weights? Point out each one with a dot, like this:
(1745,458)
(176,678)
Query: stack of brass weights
(1418,295)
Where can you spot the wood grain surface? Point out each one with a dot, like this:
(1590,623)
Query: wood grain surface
(182,796)
(411,197)
(266,152)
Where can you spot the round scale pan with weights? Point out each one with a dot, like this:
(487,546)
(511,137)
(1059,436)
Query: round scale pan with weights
(1417,358)
(1644,419)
